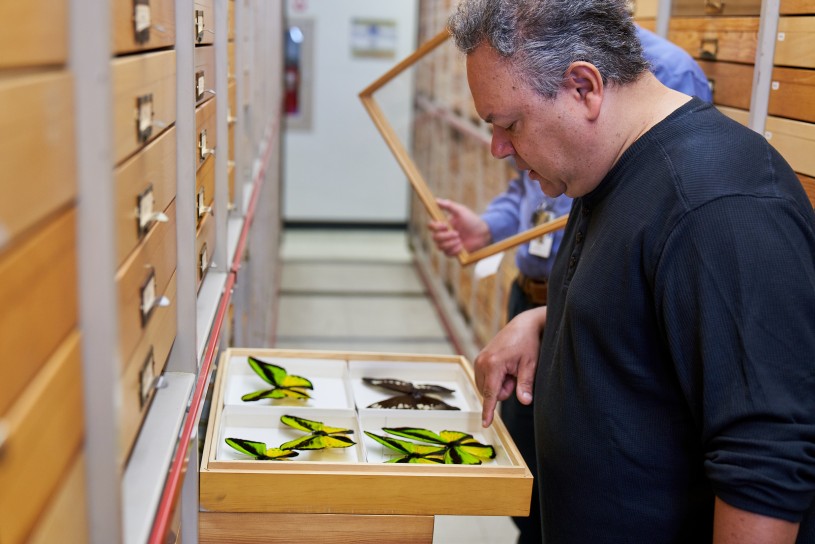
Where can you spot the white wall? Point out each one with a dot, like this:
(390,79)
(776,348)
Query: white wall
(341,170)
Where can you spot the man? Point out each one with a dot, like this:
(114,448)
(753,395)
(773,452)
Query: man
(675,384)
(522,206)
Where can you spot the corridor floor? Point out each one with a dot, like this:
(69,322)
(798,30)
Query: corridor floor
(358,290)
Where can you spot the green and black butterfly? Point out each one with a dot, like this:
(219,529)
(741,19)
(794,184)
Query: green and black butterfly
(284,385)
(413,453)
(321,436)
(259,451)
(459,448)
(413,397)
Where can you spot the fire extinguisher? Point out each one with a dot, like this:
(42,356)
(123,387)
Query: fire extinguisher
(292,89)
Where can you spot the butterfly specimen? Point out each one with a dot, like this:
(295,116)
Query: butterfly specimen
(284,385)
(321,436)
(413,397)
(413,453)
(259,451)
(459,448)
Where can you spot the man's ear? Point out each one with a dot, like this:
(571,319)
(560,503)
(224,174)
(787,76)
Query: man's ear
(584,81)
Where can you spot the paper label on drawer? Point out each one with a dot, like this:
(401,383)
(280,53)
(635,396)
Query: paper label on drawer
(203,260)
(202,204)
(146,378)
(146,204)
(141,17)
(199,24)
(202,144)
(148,297)
(199,85)
(144,117)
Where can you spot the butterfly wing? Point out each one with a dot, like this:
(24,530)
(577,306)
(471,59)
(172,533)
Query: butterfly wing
(400,386)
(278,453)
(416,433)
(432,388)
(248,447)
(302,423)
(317,442)
(455,456)
(269,373)
(451,437)
(473,447)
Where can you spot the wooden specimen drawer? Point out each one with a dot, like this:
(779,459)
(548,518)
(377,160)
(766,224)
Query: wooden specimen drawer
(65,519)
(356,479)
(33,33)
(797,7)
(204,247)
(38,292)
(738,115)
(792,94)
(45,429)
(204,17)
(141,25)
(645,8)
(232,91)
(230,61)
(691,8)
(795,43)
(231,183)
(795,140)
(141,280)
(37,155)
(144,99)
(231,133)
(204,73)
(731,82)
(204,190)
(716,38)
(145,186)
(206,136)
(231,20)
(145,365)
(809,186)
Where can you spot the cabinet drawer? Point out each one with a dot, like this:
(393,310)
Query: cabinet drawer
(204,17)
(231,20)
(690,8)
(143,99)
(204,190)
(38,292)
(145,186)
(206,135)
(230,61)
(732,83)
(140,25)
(204,72)
(231,132)
(65,518)
(792,94)
(146,364)
(141,280)
(204,247)
(645,8)
(716,38)
(795,140)
(45,427)
(809,186)
(366,483)
(39,172)
(231,183)
(795,43)
(232,91)
(33,33)
(797,7)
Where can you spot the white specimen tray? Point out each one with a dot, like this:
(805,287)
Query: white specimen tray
(329,377)
(449,375)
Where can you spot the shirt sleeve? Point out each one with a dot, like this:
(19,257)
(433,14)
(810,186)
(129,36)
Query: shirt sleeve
(503,213)
(735,291)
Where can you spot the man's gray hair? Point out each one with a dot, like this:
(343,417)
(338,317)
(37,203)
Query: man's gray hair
(541,38)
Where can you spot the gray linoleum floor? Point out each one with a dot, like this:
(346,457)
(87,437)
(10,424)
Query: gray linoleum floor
(358,290)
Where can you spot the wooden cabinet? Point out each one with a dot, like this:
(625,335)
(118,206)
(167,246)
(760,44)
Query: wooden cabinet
(142,25)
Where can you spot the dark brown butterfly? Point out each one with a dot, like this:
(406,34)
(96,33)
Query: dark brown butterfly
(413,397)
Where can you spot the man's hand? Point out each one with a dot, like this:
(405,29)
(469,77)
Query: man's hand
(463,230)
(509,361)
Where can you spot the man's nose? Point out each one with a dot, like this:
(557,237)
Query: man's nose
(500,147)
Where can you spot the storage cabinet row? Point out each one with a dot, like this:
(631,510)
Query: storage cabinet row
(450,142)
(42,483)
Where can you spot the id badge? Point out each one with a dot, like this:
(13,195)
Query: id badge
(542,245)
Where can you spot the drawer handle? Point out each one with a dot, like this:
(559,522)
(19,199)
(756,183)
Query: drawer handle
(149,300)
(712,7)
(709,48)
(199,25)
(146,216)
(203,209)
(711,84)
(203,264)
(144,117)
(203,150)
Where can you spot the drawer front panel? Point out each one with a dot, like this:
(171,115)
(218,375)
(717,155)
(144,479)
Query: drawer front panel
(143,99)
(732,83)
(206,139)
(696,8)
(146,364)
(230,60)
(795,140)
(231,183)
(65,519)
(205,190)
(231,132)
(231,20)
(809,186)
(727,38)
(38,291)
(204,73)
(204,17)
(797,7)
(795,43)
(45,429)
(204,247)
(145,186)
(33,33)
(39,169)
(645,8)
(140,25)
(792,94)
(233,102)
(141,280)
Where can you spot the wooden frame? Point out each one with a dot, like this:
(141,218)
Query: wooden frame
(415,177)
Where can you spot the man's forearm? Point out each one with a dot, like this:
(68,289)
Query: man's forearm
(732,525)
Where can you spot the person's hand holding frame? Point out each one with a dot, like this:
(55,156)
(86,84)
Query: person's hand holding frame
(412,172)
